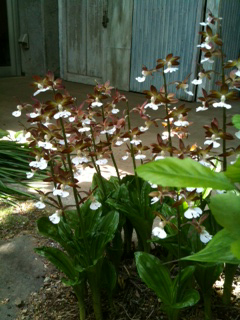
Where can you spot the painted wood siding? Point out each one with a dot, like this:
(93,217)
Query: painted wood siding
(161,27)
(229,10)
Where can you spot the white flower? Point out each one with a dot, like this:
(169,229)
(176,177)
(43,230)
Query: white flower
(61,193)
(119,142)
(189,92)
(41,89)
(101,161)
(213,141)
(159,158)
(84,129)
(125,157)
(135,141)
(151,105)
(165,135)
(96,103)
(205,237)
(204,45)
(170,68)
(95,205)
(143,129)
(62,114)
(181,123)
(159,232)
(71,119)
(34,115)
(222,103)
(198,190)
(192,212)
(29,175)
(154,200)
(141,79)
(152,185)
(140,156)
(18,112)
(41,164)
(237,134)
(203,108)
(46,145)
(55,218)
(109,131)
(205,164)
(40,205)
(79,160)
(114,109)
(197,81)
(207,60)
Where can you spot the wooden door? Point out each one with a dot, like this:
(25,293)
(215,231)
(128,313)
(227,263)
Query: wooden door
(81,38)
(161,27)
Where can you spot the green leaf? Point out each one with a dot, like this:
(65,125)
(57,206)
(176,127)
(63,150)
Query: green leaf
(155,275)
(218,250)
(190,298)
(174,172)
(236,121)
(226,211)
(60,260)
(235,248)
(233,172)
(206,274)
(3,133)
(108,276)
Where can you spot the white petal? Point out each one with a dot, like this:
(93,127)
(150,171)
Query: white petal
(16,113)
(140,156)
(197,81)
(84,129)
(96,104)
(154,200)
(203,23)
(205,237)
(237,134)
(124,157)
(29,175)
(143,129)
(135,142)
(54,218)
(95,205)
(102,161)
(159,232)
(119,143)
(39,205)
(159,158)
(34,115)
(111,131)
(238,73)
(115,111)
(180,123)
(189,213)
(189,92)
(201,109)
(141,79)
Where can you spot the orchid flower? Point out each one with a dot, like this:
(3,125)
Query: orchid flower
(56,217)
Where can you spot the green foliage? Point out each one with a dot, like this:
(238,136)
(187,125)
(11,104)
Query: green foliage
(174,172)
(157,277)
(233,171)
(135,206)
(236,121)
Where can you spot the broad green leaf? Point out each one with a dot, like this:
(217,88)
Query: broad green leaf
(226,210)
(108,276)
(233,172)
(236,121)
(48,229)
(206,274)
(155,275)
(235,248)
(218,250)
(190,298)
(174,172)
(60,260)
(185,275)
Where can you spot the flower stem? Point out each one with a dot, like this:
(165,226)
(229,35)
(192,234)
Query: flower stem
(167,111)
(110,147)
(230,270)
(75,193)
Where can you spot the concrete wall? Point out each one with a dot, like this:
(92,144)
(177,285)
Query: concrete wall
(39,19)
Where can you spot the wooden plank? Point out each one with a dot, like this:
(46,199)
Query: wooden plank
(94,38)
(76,26)
(118,47)
(161,27)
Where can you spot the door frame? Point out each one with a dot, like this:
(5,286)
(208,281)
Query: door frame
(13,29)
